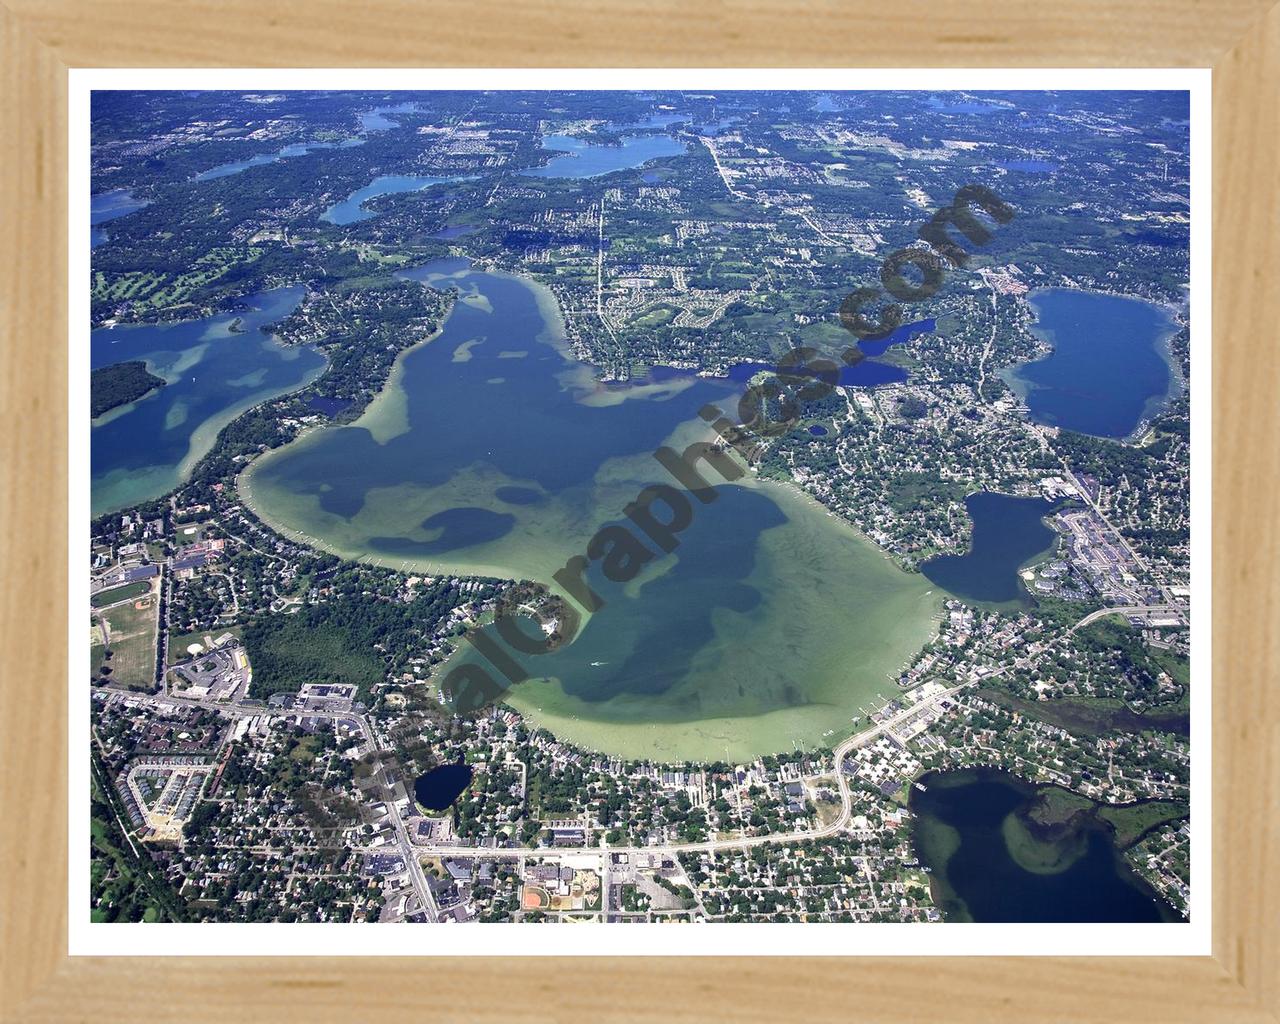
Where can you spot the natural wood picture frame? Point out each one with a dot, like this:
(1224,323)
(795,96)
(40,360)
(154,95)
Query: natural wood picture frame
(42,39)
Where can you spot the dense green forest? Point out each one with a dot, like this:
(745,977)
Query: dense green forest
(120,384)
(355,637)
(328,643)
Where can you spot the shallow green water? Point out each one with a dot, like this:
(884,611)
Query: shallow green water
(491,451)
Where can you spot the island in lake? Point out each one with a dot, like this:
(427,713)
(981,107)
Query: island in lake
(120,384)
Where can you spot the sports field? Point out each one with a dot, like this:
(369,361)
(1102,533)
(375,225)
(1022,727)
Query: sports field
(108,597)
(131,637)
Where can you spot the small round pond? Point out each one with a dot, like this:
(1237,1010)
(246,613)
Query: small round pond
(440,787)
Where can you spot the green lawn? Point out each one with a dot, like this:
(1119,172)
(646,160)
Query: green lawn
(179,642)
(1178,666)
(131,633)
(162,290)
(182,537)
(106,597)
(656,316)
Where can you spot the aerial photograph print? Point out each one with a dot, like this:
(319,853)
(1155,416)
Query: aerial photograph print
(635,506)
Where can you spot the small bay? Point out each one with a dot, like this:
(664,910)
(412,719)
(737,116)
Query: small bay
(107,206)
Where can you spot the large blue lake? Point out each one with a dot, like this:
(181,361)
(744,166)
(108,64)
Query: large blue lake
(579,160)
(1030,166)
(963,105)
(284,153)
(351,210)
(582,159)
(1109,369)
(370,121)
(214,369)
(375,120)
